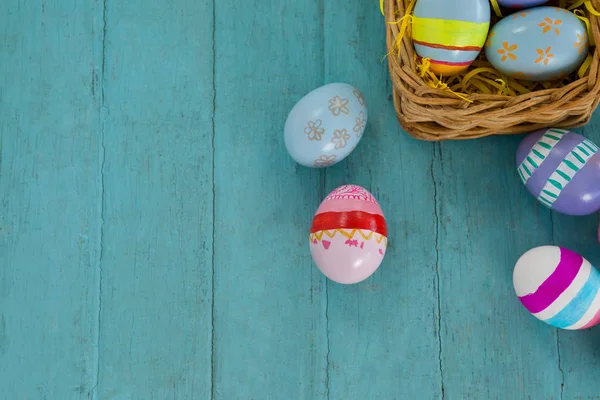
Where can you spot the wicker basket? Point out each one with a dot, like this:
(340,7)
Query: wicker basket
(431,114)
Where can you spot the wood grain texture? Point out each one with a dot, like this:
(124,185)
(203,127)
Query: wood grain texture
(156,308)
(580,350)
(49,198)
(383,332)
(153,228)
(487,219)
(269,337)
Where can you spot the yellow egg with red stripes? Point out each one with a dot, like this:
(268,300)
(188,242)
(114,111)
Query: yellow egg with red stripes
(450,34)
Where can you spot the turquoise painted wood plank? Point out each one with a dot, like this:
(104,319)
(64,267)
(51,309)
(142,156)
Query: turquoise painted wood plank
(580,350)
(269,323)
(156,303)
(49,198)
(491,348)
(383,332)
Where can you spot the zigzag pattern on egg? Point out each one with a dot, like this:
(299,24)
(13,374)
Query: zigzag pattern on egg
(348,235)
(561,170)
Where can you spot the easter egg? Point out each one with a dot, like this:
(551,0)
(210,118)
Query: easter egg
(561,169)
(348,235)
(326,125)
(559,287)
(521,3)
(538,44)
(451,34)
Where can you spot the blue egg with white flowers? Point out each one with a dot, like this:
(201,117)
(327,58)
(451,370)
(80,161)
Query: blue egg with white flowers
(325,126)
(538,44)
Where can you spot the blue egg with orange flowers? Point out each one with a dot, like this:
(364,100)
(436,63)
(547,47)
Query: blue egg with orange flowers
(538,44)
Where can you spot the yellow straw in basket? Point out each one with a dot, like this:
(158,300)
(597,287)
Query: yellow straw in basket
(496,8)
(483,79)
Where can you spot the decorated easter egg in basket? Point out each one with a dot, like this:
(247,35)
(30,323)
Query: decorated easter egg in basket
(521,3)
(325,126)
(348,236)
(561,169)
(538,44)
(559,287)
(451,34)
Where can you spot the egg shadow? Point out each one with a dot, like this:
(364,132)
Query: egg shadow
(582,342)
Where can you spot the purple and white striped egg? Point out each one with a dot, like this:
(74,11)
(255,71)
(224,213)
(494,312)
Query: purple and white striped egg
(559,287)
(562,170)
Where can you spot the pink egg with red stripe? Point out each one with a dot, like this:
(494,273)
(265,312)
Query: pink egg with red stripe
(558,286)
(348,235)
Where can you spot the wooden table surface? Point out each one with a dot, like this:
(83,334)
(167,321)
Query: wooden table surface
(153,228)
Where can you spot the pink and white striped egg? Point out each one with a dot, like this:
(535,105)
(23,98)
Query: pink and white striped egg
(559,287)
(348,236)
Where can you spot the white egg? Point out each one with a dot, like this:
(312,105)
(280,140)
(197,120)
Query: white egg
(558,286)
